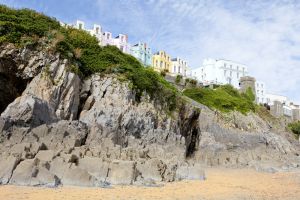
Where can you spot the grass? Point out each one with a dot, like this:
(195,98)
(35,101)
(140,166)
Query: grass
(24,26)
(224,98)
(295,128)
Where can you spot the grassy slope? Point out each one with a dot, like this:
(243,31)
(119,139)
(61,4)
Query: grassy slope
(224,98)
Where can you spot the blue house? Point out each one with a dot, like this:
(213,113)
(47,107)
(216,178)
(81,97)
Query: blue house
(142,53)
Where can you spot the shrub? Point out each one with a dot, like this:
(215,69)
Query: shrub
(178,79)
(224,98)
(295,127)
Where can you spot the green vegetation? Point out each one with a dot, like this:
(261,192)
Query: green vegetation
(23,27)
(191,82)
(178,79)
(295,128)
(224,98)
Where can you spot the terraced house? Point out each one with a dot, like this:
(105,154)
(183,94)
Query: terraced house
(142,52)
(161,61)
(179,67)
(105,37)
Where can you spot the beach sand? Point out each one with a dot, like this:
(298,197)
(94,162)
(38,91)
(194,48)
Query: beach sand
(220,184)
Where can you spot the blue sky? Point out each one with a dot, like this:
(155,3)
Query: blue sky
(264,35)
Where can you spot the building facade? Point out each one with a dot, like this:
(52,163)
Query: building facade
(260,92)
(106,38)
(97,32)
(161,61)
(121,41)
(220,72)
(179,67)
(271,98)
(80,25)
(142,52)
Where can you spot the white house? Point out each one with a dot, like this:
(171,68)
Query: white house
(97,32)
(179,67)
(79,25)
(121,41)
(270,98)
(106,38)
(260,92)
(220,71)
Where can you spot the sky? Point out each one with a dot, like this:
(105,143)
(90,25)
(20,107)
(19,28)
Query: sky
(262,34)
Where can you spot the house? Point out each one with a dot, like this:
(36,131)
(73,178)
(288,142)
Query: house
(179,67)
(260,92)
(105,37)
(161,61)
(121,41)
(220,71)
(142,52)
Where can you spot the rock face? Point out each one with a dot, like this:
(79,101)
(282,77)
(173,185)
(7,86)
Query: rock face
(58,129)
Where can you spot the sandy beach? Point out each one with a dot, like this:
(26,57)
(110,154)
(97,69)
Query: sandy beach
(220,184)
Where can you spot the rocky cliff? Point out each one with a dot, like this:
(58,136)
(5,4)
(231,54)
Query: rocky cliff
(59,129)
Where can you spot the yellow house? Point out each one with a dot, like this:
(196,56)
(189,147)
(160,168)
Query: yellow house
(161,61)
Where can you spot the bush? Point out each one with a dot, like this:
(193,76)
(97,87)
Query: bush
(224,98)
(295,127)
(178,79)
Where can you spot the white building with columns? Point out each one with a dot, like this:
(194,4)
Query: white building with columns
(179,67)
(220,71)
(260,92)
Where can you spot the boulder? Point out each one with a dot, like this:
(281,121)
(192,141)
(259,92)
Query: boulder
(95,166)
(45,155)
(7,166)
(59,167)
(122,172)
(30,111)
(152,169)
(24,172)
(78,177)
(45,178)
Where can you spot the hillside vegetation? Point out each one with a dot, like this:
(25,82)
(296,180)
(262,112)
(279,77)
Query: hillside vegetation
(224,98)
(26,27)
(295,128)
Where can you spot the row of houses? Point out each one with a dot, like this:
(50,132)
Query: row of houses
(221,72)
(212,71)
(160,61)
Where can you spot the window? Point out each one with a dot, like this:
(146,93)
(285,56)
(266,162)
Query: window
(238,75)
(224,64)
(80,26)
(179,69)
(97,30)
(237,68)
(156,63)
(161,64)
(174,69)
(230,66)
(225,72)
(230,73)
(107,36)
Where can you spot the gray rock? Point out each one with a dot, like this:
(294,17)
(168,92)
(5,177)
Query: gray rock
(24,172)
(78,177)
(186,172)
(29,110)
(45,155)
(122,172)
(7,166)
(95,166)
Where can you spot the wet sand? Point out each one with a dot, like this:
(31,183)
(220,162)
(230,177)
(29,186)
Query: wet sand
(220,184)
